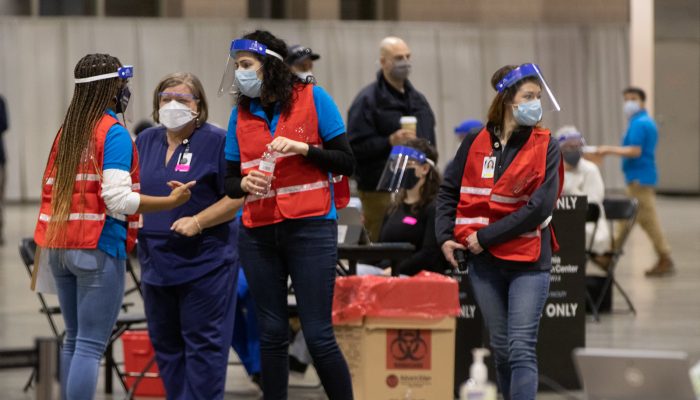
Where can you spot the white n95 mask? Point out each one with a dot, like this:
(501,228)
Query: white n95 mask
(175,116)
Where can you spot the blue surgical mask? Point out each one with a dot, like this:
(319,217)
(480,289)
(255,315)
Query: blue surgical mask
(630,108)
(248,83)
(528,113)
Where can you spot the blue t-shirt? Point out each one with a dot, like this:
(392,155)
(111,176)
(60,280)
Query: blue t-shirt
(117,155)
(641,132)
(166,257)
(330,125)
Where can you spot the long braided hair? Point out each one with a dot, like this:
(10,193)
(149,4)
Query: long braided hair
(75,144)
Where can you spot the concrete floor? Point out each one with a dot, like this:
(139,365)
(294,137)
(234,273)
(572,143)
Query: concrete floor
(668,309)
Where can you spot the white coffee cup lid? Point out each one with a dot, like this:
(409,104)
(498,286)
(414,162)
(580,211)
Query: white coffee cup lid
(408,119)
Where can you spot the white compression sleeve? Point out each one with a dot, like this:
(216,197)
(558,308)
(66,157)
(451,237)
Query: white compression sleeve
(117,192)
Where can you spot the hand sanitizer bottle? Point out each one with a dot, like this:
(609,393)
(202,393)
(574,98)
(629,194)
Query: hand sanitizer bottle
(478,387)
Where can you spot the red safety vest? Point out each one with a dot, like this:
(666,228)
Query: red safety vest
(299,189)
(87,210)
(482,202)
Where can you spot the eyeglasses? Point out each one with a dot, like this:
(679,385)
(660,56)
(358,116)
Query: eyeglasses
(184,98)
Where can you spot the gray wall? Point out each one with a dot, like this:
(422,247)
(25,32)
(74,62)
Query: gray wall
(677,86)
(585,64)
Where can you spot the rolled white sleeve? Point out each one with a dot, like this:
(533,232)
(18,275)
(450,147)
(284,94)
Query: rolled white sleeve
(117,192)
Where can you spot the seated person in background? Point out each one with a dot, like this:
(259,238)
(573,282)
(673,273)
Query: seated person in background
(582,178)
(411,216)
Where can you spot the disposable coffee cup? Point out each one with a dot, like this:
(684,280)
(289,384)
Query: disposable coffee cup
(409,122)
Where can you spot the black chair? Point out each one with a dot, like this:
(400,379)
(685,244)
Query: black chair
(622,211)
(125,321)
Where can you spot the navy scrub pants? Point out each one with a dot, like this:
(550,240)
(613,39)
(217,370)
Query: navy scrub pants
(191,327)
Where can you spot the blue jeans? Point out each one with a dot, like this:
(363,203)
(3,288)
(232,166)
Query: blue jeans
(306,250)
(511,302)
(191,327)
(90,287)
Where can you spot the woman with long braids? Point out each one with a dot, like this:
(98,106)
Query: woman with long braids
(89,216)
(285,139)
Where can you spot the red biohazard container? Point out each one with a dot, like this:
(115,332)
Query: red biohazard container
(138,352)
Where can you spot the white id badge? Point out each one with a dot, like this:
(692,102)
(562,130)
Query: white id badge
(183,163)
(488,168)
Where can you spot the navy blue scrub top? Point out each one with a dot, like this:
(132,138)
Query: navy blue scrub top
(168,258)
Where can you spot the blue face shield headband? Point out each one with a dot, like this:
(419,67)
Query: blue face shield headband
(399,171)
(252,46)
(526,71)
(124,72)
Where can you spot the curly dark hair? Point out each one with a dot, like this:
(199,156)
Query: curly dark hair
(278,83)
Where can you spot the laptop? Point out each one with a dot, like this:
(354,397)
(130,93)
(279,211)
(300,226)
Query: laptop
(620,374)
(350,228)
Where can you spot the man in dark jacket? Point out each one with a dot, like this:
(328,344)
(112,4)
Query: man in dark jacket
(374,125)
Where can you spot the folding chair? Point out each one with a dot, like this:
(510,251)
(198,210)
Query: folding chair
(125,321)
(622,211)
(592,216)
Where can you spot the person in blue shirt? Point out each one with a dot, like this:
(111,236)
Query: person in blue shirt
(289,225)
(638,152)
(87,220)
(188,255)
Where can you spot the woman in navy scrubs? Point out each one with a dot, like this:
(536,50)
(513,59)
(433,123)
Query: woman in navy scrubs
(188,255)
(289,223)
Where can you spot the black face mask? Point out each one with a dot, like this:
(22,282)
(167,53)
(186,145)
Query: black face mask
(410,179)
(123,99)
(572,157)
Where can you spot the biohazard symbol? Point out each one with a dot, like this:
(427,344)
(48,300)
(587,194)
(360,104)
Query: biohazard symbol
(409,346)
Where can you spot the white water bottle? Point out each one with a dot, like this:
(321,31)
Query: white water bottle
(267,167)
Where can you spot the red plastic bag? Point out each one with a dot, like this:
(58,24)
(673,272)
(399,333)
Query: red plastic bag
(424,296)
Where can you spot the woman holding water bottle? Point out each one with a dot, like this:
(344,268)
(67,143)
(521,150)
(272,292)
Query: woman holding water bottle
(285,141)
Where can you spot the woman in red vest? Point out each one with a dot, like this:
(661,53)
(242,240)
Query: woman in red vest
(285,141)
(496,203)
(89,216)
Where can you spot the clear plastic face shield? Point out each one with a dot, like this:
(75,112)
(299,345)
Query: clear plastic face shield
(123,97)
(397,172)
(228,81)
(530,92)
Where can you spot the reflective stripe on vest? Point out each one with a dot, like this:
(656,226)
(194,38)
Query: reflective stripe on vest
(469,221)
(485,221)
(75,217)
(288,190)
(78,178)
(477,191)
(256,162)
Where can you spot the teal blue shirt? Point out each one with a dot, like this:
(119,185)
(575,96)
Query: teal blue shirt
(641,132)
(117,155)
